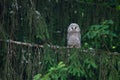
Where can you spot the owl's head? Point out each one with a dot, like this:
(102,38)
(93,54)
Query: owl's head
(73,27)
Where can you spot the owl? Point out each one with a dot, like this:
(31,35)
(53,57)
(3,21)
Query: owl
(73,36)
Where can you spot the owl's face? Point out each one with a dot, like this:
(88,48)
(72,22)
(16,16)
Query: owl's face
(73,27)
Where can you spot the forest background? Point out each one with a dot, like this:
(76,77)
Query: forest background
(44,22)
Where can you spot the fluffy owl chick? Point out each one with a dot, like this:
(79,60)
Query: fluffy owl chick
(74,36)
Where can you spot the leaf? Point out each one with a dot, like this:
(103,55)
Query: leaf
(107,22)
(37,77)
(93,65)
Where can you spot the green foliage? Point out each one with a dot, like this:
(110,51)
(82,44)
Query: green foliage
(98,31)
(37,77)
(41,27)
(49,57)
(75,68)
(100,34)
(118,7)
(54,73)
(60,64)
(81,65)
(89,66)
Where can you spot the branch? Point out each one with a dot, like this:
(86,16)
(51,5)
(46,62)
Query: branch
(29,44)
(21,43)
(54,47)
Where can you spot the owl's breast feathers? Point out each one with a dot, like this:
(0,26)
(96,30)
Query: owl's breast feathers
(74,41)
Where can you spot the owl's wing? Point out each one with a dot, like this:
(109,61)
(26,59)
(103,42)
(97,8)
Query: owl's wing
(68,35)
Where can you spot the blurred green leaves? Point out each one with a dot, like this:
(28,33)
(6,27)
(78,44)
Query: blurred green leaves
(54,73)
(41,27)
(100,34)
(99,31)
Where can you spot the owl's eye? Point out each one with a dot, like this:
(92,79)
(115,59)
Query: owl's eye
(75,27)
(72,27)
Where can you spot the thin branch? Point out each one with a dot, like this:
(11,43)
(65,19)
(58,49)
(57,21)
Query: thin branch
(29,44)
(21,43)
